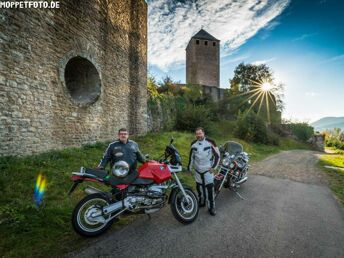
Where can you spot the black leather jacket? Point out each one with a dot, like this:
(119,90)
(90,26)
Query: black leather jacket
(118,150)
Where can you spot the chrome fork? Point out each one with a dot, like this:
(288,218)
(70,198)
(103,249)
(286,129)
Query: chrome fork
(180,185)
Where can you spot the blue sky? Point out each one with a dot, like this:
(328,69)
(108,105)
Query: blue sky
(302,41)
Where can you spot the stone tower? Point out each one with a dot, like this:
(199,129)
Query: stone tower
(203,60)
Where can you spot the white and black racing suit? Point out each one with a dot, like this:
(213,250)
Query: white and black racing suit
(204,155)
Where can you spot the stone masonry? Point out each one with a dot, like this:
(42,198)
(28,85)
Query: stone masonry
(203,64)
(203,60)
(72,75)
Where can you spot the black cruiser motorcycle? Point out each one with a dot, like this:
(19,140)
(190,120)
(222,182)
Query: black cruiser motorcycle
(233,167)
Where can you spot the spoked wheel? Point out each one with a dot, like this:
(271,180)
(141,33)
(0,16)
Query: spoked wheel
(185,208)
(88,219)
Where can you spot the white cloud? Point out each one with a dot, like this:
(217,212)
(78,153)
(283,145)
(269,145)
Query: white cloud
(235,59)
(333,59)
(259,62)
(311,94)
(304,36)
(171,24)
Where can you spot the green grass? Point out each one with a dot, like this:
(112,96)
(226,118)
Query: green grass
(30,232)
(336,177)
(335,160)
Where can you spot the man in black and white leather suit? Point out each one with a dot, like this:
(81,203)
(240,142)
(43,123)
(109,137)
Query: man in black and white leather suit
(204,158)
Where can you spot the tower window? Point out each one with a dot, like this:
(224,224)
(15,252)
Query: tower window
(214,44)
(206,43)
(197,42)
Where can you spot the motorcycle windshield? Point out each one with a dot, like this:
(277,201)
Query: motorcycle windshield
(232,148)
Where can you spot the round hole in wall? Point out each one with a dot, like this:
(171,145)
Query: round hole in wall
(82,80)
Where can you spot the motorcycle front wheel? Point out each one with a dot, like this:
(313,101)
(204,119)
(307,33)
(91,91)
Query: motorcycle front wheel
(184,208)
(84,220)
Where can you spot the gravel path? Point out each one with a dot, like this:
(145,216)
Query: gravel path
(296,165)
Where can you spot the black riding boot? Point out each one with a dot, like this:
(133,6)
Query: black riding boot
(201,193)
(211,199)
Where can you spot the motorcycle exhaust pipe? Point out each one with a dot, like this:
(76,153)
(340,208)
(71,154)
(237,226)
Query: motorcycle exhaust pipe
(109,209)
(242,181)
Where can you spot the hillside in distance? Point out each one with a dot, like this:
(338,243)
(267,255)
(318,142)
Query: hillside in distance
(328,123)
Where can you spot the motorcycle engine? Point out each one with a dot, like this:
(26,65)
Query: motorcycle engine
(147,198)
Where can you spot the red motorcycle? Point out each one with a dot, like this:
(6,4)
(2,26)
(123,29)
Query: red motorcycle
(142,191)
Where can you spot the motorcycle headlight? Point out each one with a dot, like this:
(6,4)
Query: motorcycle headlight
(120,169)
(246,157)
(225,162)
(232,165)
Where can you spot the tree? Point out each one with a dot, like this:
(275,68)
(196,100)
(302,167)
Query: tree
(169,87)
(152,88)
(192,92)
(247,75)
(253,87)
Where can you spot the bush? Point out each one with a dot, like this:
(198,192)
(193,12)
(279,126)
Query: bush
(335,138)
(222,129)
(273,138)
(279,130)
(302,131)
(191,117)
(335,144)
(251,127)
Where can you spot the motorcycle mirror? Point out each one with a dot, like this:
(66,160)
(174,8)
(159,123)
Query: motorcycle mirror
(172,139)
(147,156)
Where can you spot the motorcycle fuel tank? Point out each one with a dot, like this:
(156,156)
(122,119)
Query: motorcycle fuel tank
(154,170)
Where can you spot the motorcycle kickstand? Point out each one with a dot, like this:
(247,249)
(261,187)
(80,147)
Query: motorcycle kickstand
(240,196)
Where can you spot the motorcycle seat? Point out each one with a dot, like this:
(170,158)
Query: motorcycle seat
(99,173)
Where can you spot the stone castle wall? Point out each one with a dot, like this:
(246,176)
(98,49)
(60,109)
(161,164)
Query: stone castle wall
(215,93)
(72,75)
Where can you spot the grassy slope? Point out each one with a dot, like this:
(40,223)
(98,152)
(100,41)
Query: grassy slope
(30,232)
(336,177)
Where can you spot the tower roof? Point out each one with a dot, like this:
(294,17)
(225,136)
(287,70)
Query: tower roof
(202,34)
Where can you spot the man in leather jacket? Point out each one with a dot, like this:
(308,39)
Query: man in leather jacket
(204,158)
(122,149)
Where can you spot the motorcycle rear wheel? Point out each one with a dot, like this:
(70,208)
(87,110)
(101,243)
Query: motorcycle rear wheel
(185,210)
(82,221)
